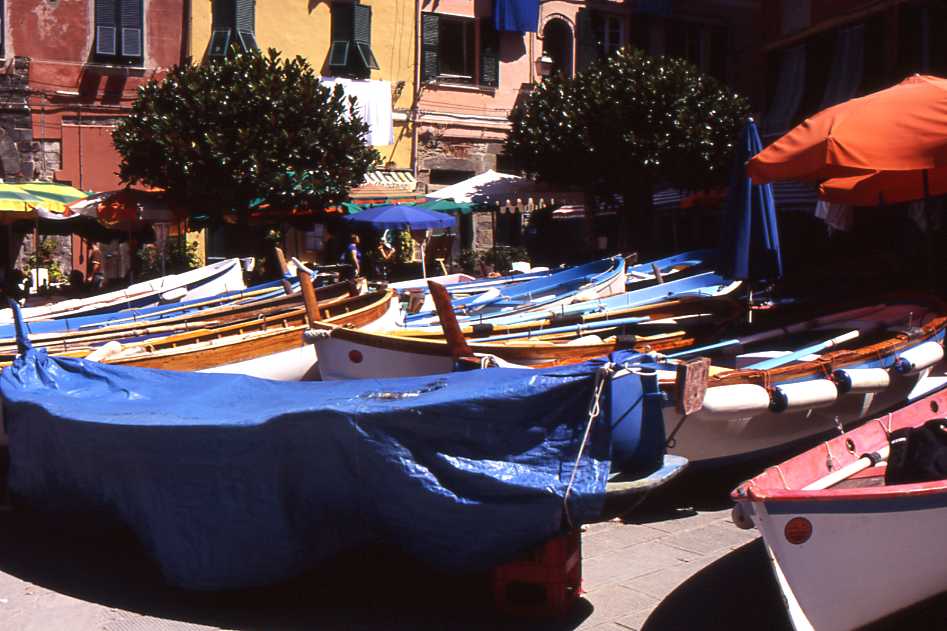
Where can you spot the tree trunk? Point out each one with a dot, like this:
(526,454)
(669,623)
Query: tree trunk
(635,222)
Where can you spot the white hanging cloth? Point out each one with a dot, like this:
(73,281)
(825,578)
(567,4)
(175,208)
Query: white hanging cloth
(373,105)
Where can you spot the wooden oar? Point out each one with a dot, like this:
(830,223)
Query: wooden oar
(790,329)
(445,313)
(849,470)
(775,362)
(587,326)
(309,296)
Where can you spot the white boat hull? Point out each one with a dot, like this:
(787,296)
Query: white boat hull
(227,276)
(865,559)
(297,364)
(706,440)
(343,359)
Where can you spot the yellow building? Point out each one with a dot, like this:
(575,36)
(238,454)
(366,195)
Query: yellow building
(365,39)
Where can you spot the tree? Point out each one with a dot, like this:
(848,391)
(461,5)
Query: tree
(251,131)
(627,124)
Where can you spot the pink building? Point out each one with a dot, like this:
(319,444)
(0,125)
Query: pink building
(471,75)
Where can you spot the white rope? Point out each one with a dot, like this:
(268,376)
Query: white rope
(601,378)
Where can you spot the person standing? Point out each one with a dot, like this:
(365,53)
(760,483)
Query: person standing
(95,270)
(353,257)
(384,253)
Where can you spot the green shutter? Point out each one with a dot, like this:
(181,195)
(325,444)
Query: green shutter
(588,51)
(362,35)
(430,39)
(132,29)
(343,25)
(106,28)
(223,16)
(245,16)
(489,53)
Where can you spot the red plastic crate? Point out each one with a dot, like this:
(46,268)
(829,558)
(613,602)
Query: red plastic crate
(544,582)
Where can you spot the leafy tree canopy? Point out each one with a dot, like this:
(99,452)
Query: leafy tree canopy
(627,123)
(249,131)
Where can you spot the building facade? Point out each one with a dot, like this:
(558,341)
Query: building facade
(368,46)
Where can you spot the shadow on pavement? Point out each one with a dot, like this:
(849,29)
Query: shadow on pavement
(736,592)
(369,589)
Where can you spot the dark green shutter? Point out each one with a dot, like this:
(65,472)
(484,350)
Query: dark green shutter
(362,35)
(106,28)
(430,39)
(3,22)
(489,53)
(588,50)
(222,20)
(245,16)
(342,34)
(245,24)
(132,29)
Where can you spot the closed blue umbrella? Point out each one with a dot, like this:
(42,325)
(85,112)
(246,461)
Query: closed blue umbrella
(396,217)
(749,246)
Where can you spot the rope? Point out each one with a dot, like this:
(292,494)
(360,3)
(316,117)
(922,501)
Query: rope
(601,378)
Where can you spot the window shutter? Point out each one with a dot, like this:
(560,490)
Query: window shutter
(245,19)
(343,25)
(219,44)
(362,35)
(245,24)
(224,15)
(3,22)
(106,25)
(587,48)
(489,53)
(132,28)
(430,36)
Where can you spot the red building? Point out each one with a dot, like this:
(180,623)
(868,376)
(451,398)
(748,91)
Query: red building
(72,71)
(84,62)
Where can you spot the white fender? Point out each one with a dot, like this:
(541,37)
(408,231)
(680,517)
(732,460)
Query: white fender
(861,380)
(737,401)
(105,351)
(916,359)
(585,340)
(173,295)
(804,395)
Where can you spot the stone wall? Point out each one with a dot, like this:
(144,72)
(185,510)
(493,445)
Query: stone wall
(18,152)
(435,152)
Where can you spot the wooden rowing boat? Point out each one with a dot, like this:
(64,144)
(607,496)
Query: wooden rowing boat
(203,282)
(777,393)
(203,315)
(271,346)
(848,548)
(357,354)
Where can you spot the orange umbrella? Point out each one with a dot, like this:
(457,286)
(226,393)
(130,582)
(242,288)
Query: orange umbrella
(885,187)
(900,131)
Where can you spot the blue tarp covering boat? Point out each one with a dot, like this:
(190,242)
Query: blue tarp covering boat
(231,481)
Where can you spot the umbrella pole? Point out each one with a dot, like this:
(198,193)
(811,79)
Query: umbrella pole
(424,258)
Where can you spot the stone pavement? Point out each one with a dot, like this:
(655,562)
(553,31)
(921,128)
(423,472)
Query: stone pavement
(665,565)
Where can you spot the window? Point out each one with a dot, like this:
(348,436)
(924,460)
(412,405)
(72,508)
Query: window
(449,50)
(350,54)
(119,31)
(609,33)
(600,35)
(234,27)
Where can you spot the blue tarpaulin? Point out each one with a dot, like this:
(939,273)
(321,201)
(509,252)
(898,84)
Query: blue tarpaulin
(231,481)
(520,16)
(749,245)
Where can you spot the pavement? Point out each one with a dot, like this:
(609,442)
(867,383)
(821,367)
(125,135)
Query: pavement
(675,562)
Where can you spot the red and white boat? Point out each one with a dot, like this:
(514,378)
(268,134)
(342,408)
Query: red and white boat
(846,548)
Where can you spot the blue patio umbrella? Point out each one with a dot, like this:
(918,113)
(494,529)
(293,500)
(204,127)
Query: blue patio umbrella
(396,217)
(749,245)
(403,217)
